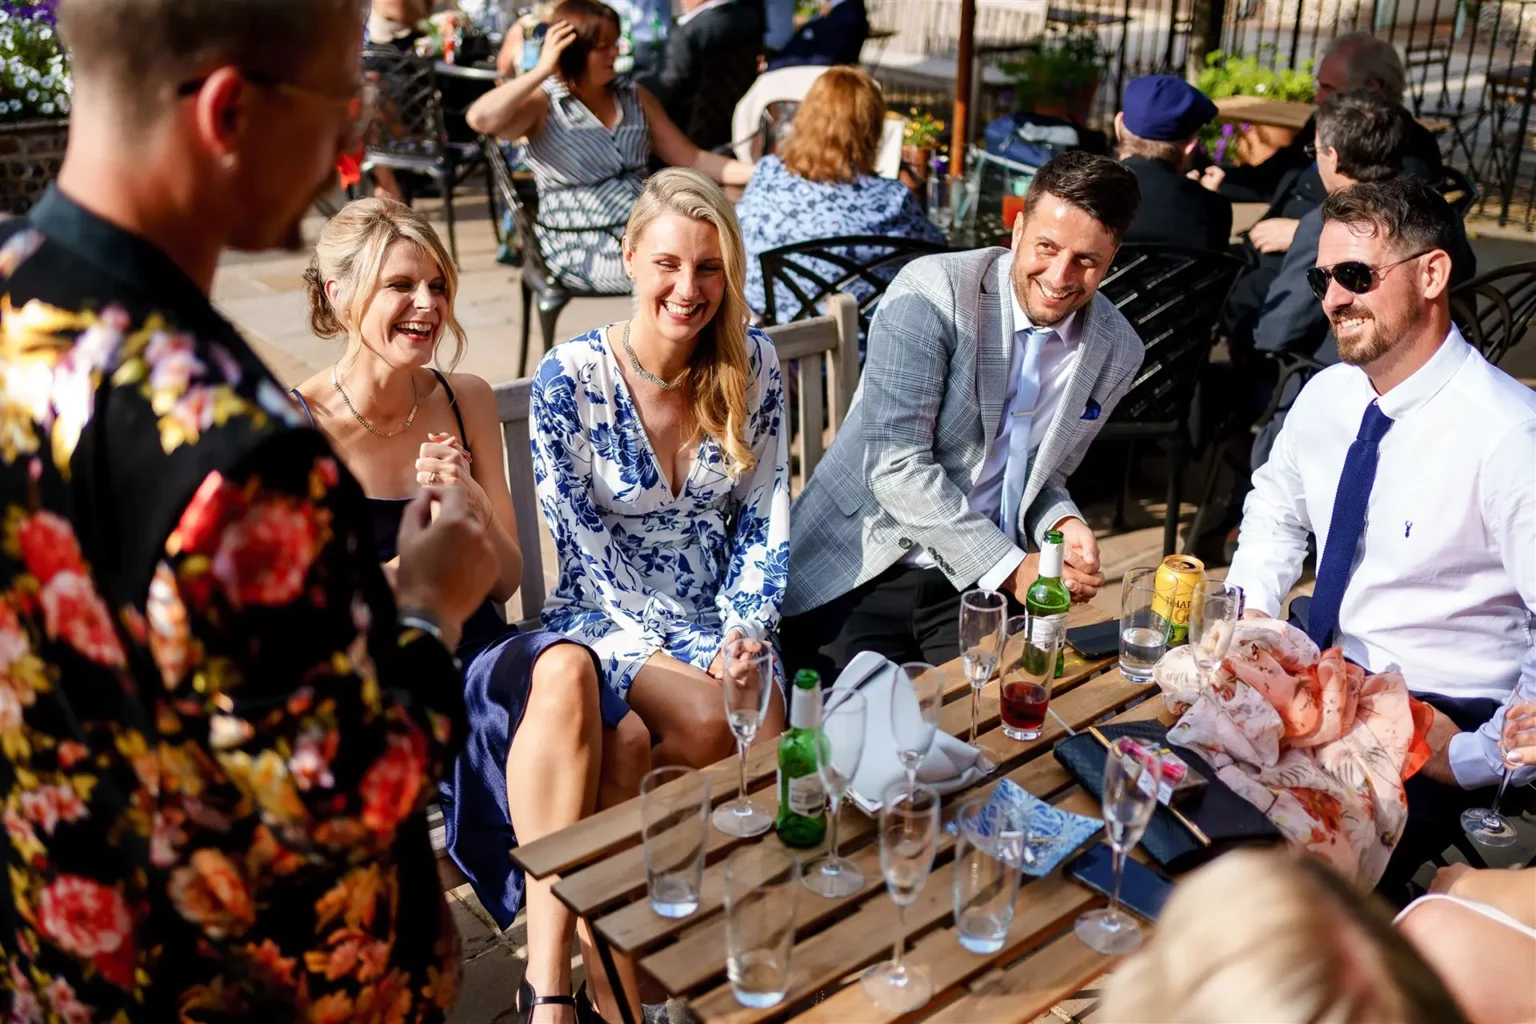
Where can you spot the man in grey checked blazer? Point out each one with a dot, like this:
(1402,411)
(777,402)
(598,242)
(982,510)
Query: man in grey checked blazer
(904,512)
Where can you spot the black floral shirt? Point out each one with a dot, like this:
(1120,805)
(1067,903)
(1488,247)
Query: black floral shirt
(217,742)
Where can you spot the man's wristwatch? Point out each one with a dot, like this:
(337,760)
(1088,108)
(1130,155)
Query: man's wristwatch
(426,621)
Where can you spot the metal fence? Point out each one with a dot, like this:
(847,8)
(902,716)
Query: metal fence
(1469,63)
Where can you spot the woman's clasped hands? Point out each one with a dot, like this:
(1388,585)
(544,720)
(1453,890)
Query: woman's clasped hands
(443,461)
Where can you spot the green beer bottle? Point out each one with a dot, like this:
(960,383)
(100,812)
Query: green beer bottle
(802,819)
(1048,599)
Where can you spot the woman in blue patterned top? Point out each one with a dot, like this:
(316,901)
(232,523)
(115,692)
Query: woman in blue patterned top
(662,469)
(824,185)
(590,136)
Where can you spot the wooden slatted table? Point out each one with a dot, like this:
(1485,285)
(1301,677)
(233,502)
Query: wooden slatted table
(602,874)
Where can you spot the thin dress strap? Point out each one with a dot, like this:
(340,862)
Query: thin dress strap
(453,401)
(305,405)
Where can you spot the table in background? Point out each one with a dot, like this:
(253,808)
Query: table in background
(603,878)
(1285,113)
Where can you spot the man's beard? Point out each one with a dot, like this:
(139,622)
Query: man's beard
(1380,337)
(1026,291)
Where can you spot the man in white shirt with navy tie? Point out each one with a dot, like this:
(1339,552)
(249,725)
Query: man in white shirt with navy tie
(1414,464)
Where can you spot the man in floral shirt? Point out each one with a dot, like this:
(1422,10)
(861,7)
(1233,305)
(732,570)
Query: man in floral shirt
(219,733)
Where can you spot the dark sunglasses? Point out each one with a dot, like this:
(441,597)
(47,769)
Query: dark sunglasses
(1310,149)
(1353,275)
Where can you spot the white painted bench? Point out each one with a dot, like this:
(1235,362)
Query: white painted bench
(805,348)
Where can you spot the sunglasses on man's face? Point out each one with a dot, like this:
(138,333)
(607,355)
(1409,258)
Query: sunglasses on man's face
(1355,276)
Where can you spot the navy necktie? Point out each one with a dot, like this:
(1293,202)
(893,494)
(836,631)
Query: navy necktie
(1345,526)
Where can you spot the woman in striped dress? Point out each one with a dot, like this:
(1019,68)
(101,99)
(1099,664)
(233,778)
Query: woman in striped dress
(589,137)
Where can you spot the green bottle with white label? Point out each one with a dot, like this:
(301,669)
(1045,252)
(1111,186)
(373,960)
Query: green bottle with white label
(1048,600)
(802,818)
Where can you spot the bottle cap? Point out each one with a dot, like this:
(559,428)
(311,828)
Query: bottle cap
(807,679)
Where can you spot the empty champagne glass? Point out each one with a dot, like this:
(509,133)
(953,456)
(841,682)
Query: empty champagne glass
(1214,609)
(838,752)
(909,831)
(747,682)
(761,883)
(1485,826)
(917,698)
(1131,781)
(982,615)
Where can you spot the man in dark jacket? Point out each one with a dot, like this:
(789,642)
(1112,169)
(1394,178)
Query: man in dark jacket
(710,64)
(835,36)
(1158,128)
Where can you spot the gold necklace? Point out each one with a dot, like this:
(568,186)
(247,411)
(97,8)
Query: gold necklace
(411,416)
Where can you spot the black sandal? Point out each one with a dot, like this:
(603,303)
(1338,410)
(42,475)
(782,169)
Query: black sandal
(528,1001)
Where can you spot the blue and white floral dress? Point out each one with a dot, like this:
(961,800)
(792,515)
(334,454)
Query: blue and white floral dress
(641,569)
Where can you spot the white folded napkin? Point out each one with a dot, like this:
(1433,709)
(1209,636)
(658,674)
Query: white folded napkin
(951,764)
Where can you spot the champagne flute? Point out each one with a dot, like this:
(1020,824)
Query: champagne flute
(1485,826)
(909,830)
(747,683)
(1214,608)
(839,749)
(982,615)
(917,698)
(1131,781)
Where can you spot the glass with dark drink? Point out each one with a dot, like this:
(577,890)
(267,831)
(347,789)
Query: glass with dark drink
(1030,651)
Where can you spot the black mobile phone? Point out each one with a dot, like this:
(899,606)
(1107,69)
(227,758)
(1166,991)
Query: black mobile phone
(1099,640)
(1142,891)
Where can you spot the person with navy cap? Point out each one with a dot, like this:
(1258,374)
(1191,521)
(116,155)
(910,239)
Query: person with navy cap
(1158,128)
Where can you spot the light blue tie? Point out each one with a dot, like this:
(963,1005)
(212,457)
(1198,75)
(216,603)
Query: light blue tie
(1018,422)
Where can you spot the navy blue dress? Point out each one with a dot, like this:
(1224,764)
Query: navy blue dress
(498,664)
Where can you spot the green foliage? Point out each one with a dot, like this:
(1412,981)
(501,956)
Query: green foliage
(1060,66)
(1227,74)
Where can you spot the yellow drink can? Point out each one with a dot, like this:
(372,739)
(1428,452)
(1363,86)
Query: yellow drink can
(1173,588)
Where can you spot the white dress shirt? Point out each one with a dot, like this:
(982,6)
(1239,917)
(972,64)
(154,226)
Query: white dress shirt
(683,19)
(1058,358)
(1444,581)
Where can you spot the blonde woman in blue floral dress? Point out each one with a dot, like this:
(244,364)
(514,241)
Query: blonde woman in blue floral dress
(662,470)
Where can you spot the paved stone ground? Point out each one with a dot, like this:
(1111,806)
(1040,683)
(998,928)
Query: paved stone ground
(263,294)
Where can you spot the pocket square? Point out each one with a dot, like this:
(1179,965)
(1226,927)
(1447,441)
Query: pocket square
(1091,411)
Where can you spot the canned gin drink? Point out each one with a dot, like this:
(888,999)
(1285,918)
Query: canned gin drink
(1175,585)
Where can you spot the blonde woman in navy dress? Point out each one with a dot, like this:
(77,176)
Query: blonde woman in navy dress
(590,135)
(663,473)
(538,756)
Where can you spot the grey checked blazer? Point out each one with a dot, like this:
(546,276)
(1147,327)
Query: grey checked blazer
(926,412)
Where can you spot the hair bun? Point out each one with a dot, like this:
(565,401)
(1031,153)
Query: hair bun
(322,318)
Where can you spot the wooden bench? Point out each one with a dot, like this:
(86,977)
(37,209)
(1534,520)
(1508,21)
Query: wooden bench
(823,347)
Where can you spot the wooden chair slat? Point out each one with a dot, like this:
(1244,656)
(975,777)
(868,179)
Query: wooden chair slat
(812,414)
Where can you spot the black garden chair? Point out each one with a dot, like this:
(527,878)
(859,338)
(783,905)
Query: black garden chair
(407,131)
(861,265)
(1495,310)
(1458,190)
(541,289)
(1173,297)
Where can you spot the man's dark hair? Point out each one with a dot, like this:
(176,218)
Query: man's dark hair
(145,47)
(1104,189)
(1366,130)
(1410,215)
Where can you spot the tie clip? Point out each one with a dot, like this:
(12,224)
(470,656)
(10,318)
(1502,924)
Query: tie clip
(1031,412)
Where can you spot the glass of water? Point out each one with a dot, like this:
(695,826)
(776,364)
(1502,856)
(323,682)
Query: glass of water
(761,883)
(1143,633)
(674,826)
(989,851)
(747,682)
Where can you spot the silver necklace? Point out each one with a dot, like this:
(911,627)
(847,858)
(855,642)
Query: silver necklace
(634,364)
(359,416)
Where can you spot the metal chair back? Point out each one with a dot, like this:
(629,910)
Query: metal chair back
(860,265)
(524,240)
(1173,297)
(408,109)
(1495,310)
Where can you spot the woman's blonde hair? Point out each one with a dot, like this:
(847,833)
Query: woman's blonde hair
(1276,937)
(350,251)
(719,372)
(836,131)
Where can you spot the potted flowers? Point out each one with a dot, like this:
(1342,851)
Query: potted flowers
(1227,74)
(919,139)
(1058,76)
(34,102)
